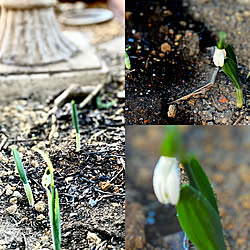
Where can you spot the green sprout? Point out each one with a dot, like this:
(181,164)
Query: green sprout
(127,61)
(230,66)
(196,203)
(53,201)
(23,176)
(101,105)
(74,114)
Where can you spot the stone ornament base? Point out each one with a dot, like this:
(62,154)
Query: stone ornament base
(84,69)
(31,36)
(27,4)
(84,60)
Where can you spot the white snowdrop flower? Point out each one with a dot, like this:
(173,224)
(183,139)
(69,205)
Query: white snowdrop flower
(219,56)
(166,180)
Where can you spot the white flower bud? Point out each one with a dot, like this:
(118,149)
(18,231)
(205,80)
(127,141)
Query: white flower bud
(218,58)
(166,180)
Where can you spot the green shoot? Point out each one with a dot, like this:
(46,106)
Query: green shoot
(53,201)
(230,67)
(248,76)
(196,204)
(101,105)
(74,114)
(127,61)
(21,171)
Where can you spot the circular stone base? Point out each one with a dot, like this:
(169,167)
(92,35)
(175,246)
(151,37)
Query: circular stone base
(27,4)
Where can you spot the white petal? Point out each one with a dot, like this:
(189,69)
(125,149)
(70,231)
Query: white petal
(166,180)
(159,179)
(218,57)
(173,183)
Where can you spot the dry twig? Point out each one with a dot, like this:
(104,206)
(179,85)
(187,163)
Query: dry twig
(200,90)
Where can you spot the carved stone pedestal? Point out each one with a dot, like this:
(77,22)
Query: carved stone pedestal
(29,34)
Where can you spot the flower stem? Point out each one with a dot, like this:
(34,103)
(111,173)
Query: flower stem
(78,142)
(239,95)
(29,194)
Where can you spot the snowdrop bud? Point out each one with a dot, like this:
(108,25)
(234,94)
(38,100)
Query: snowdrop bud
(166,180)
(219,56)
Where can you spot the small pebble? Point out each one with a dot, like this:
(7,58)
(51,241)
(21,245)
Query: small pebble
(13,200)
(34,163)
(178,37)
(92,237)
(172,111)
(12,209)
(9,192)
(40,217)
(40,206)
(69,179)
(17,195)
(165,47)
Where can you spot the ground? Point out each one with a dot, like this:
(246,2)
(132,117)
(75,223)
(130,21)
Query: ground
(91,183)
(223,154)
(170,46)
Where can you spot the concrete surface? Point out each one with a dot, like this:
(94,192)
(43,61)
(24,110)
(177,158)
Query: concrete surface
(86,68)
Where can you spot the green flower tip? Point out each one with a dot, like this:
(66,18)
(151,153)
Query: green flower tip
(73,102)
(222,36)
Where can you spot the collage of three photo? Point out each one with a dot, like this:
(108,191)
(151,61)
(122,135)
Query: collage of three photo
(124,124)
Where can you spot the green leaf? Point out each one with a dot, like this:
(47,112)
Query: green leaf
(199,180)
(57,223)
(199,220)
(248,76)
(127,61)
(230,53)
(19,166)
(74,114)
(239,95)
(78,142)
(29,194)
(53,201)
(101,105)
(231,70)
(172,145)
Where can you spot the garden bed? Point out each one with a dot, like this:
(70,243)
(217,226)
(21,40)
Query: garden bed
(91,183)
(171,57)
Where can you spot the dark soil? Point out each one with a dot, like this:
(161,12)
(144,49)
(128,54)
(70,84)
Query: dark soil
(224,158)
(171,56)
(86,205)
(91,183)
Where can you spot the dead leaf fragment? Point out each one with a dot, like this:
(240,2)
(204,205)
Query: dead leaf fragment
(105,185)
(223,99)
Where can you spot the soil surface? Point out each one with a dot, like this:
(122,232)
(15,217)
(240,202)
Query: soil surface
(170,45)
(91,183)
(223,154)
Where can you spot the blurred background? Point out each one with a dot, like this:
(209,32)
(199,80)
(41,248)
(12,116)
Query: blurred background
(223,154)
